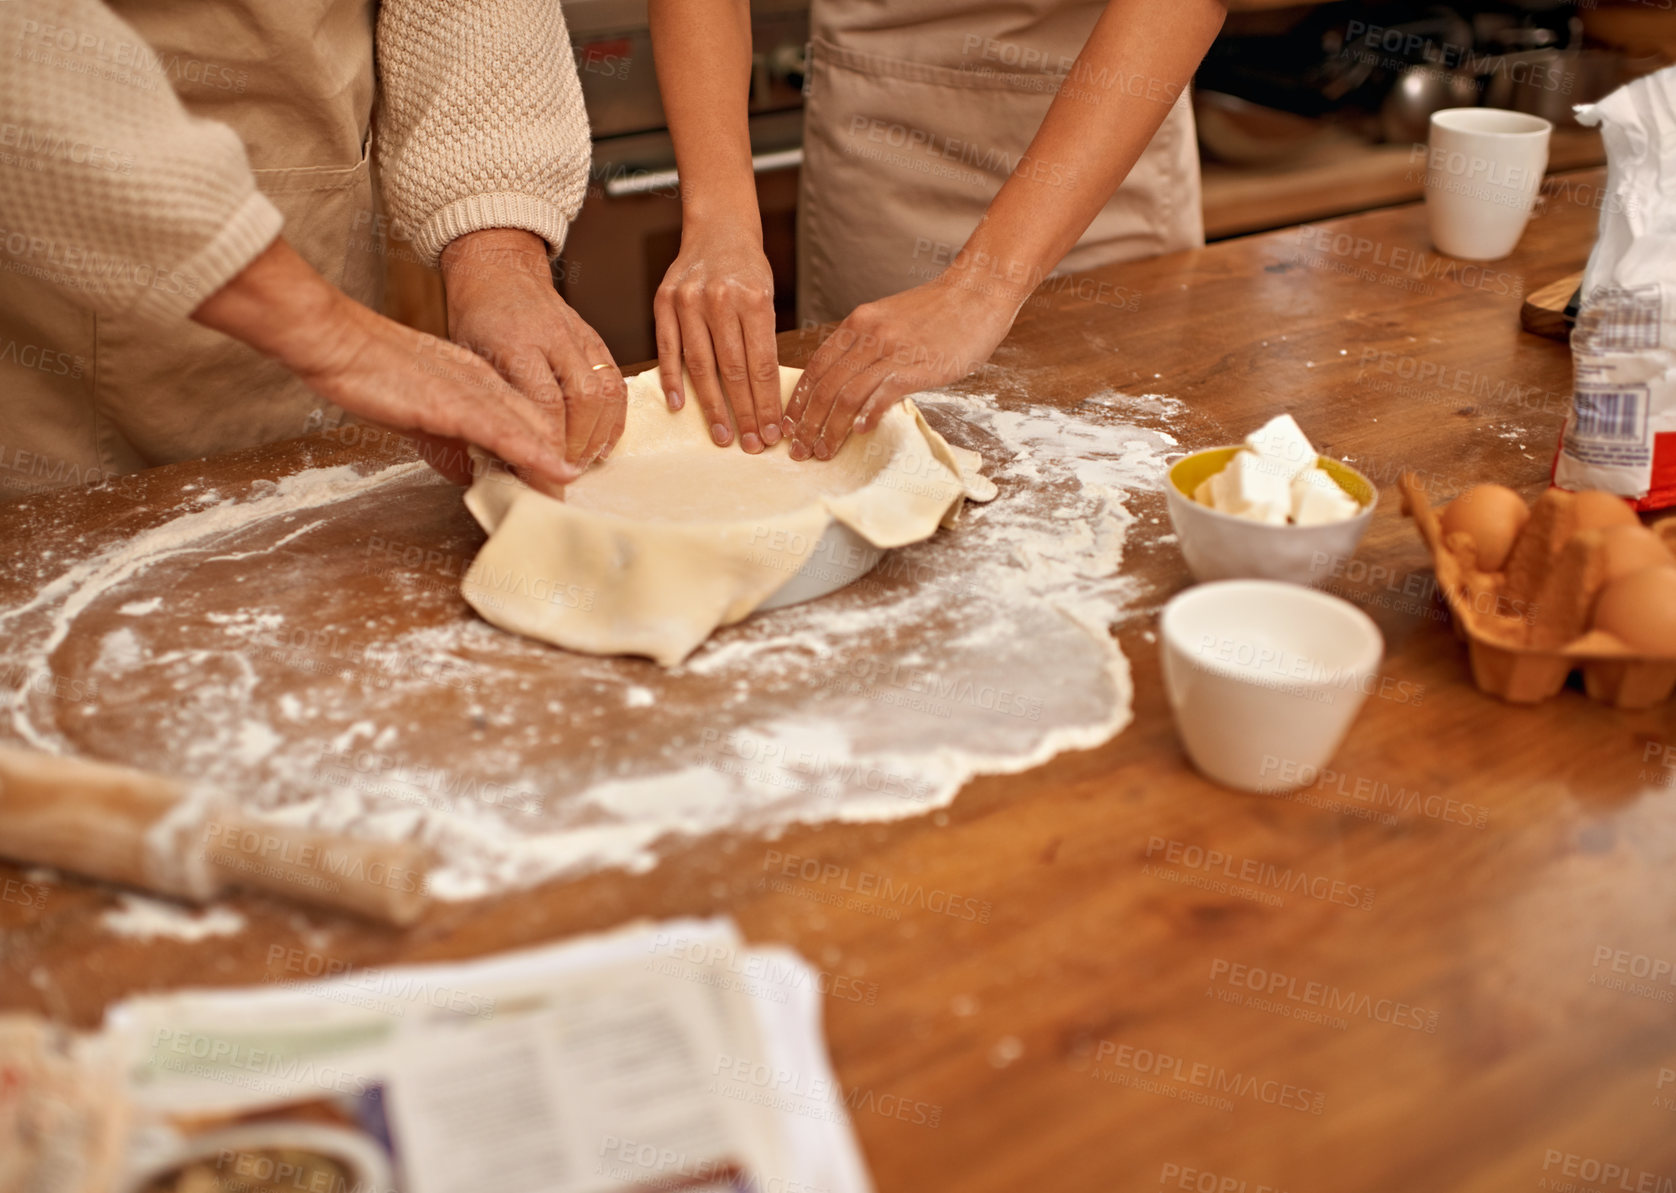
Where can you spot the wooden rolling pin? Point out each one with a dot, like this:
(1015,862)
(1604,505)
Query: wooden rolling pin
(143,830)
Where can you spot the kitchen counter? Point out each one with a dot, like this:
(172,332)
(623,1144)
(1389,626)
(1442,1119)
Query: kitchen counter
(1461,979)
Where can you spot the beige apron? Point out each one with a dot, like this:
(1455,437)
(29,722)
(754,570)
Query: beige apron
(294,78)
(917,112)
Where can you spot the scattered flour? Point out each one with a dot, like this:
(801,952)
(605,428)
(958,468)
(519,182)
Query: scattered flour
(147,919)
(983,650)
(79,586)
(119,649)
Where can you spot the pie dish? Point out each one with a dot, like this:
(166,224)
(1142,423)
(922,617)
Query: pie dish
(649,552)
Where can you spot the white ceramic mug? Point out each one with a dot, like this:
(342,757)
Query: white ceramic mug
(1483,169)
(1264,678)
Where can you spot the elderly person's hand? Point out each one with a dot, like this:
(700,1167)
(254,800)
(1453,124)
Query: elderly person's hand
(502,305)
(378,370)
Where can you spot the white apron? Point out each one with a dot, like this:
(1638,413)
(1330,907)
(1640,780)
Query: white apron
(917,112)
(295,80)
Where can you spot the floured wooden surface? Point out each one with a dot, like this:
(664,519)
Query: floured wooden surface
(1090,936)
(302,646)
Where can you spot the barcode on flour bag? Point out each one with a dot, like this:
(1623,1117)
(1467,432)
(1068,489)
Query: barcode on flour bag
(1621,434)
(1615,417)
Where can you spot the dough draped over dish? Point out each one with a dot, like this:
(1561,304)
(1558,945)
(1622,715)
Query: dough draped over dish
(673,536)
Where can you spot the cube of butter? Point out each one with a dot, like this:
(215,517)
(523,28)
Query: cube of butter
(1220,493)
(1281,443)
(1256,490)
(1317,499)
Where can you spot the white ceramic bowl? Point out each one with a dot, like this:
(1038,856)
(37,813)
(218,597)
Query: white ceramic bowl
(1220,546)
(159,1153)
(841,557)
(1264,678)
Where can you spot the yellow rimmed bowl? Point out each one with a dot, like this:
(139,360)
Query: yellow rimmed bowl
(1219,546)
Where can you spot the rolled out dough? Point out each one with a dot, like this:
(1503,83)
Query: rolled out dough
(673,536)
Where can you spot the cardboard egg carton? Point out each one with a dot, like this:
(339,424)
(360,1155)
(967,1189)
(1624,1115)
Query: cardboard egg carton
(1526,627)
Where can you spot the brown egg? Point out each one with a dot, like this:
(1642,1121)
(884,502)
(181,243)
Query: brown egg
(1493,515)
(1640,611)
(1595,510)
(1626,549)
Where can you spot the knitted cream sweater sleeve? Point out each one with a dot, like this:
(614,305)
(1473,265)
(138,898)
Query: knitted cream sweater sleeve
(109,189)
(481,123)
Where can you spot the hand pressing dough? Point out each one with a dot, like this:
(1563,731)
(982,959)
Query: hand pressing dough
(673,536)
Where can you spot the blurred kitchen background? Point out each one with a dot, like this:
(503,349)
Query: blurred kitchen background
(1304,112)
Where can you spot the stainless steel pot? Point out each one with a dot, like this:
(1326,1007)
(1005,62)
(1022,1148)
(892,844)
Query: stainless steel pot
(1547,83)
(1405,116)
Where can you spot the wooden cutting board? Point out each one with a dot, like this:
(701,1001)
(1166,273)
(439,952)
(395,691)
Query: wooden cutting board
(1544,311)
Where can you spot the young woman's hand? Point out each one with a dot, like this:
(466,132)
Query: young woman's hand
(918,339)
(715,315)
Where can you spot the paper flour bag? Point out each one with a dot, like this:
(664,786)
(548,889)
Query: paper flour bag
(1621,434)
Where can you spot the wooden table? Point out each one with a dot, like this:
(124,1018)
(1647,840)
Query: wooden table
(1343,173)
(1460,997)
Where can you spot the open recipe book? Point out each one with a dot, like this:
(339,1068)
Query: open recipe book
(666,1056)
